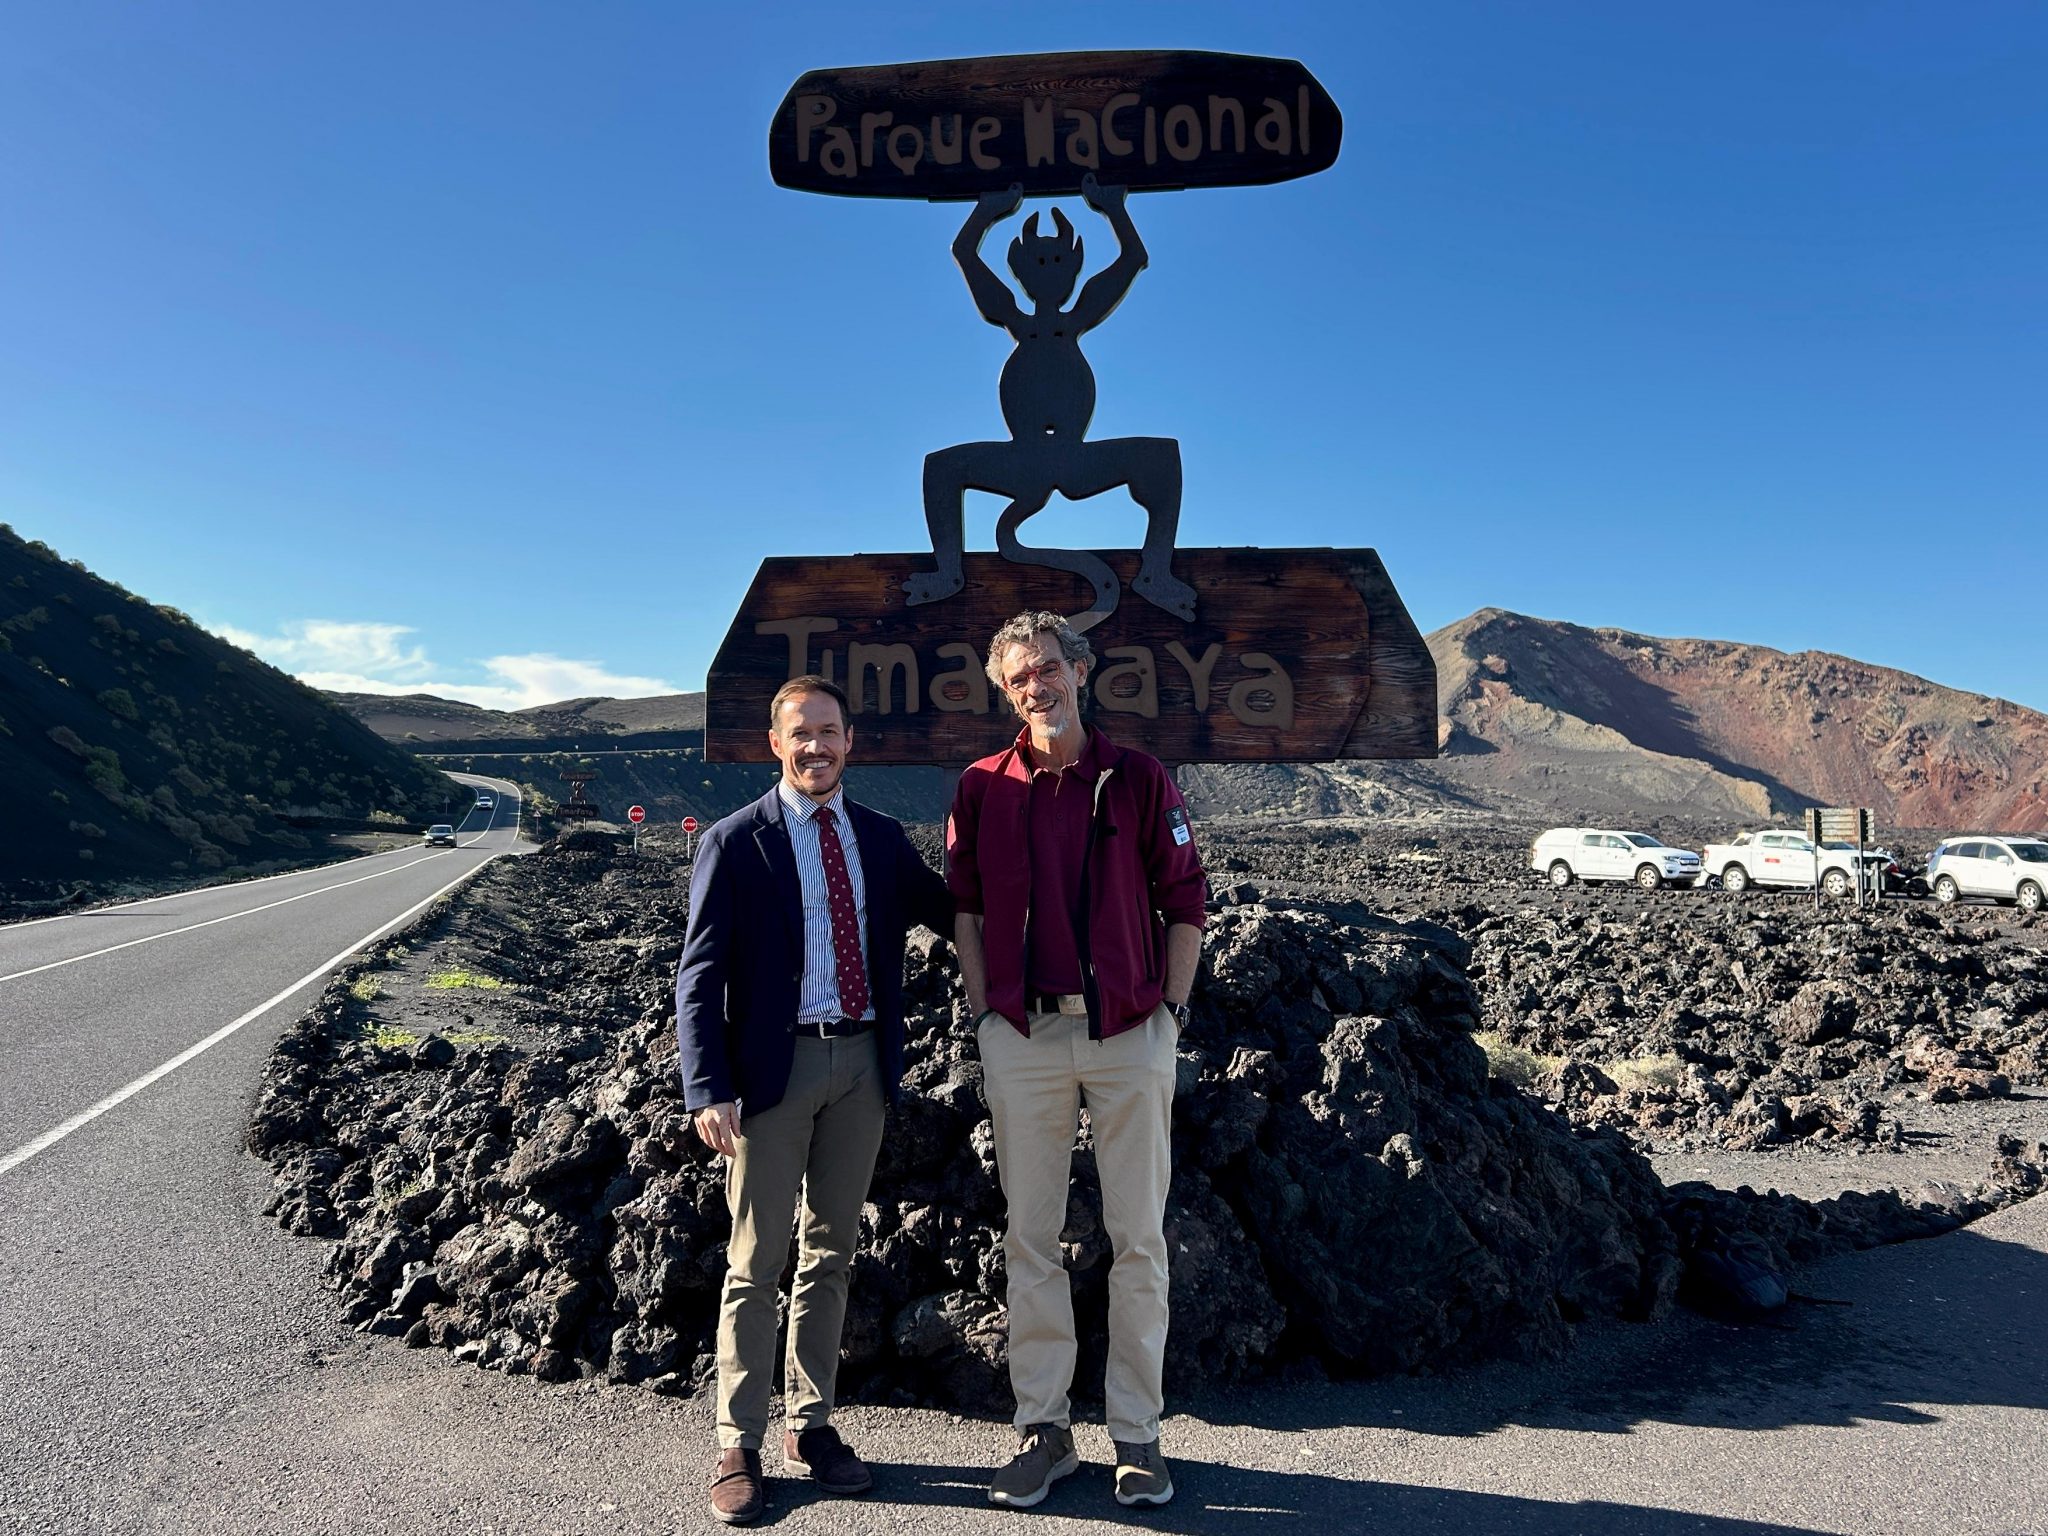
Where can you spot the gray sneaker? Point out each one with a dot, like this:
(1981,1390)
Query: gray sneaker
(1046,1456)
(1141,1475)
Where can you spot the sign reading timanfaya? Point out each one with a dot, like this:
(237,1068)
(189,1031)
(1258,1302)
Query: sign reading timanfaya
(1296,655)
(956,128)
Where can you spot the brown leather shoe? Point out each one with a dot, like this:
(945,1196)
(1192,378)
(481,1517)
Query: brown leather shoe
(737,1493)
(828,1459)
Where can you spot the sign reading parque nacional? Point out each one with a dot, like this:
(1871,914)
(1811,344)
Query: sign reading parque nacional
(956,128)
(1201,655)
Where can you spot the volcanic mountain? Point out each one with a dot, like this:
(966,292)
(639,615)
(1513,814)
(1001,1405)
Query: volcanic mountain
(1550,712)
(432,724)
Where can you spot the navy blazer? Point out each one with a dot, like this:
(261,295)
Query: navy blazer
(742,965)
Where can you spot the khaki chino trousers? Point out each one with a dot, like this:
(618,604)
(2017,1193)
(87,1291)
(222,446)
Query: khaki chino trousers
(1035,1089)
(819,1143)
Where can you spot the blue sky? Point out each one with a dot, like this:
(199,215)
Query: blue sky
(469,348)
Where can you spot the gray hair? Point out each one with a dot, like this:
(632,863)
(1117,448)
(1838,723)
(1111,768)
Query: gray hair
(1028,626)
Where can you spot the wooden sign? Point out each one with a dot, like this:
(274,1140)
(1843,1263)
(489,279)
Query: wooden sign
(1295,655)
(1849,824)
(956,128)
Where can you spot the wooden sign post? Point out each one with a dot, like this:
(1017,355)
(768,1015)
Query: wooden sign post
(1211,655)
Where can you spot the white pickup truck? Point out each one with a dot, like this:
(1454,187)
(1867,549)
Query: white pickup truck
(1783,857)
(1565,854)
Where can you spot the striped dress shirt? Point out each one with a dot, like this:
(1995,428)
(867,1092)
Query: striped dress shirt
(818,997)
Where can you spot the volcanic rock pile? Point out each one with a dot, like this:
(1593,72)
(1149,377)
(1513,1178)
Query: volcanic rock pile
(1350,1186)
(484,1115)
(1714,1023)
(1705,1019)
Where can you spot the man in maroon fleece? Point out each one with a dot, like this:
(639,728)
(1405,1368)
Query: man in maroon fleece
(1080,900)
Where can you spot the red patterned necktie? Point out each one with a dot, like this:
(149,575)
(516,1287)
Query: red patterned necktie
(853,975)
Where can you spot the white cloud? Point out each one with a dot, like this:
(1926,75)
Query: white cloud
(322,645)
(542,679)
(375,658)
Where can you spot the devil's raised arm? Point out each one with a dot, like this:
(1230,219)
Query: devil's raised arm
(1106,289)
(992,296)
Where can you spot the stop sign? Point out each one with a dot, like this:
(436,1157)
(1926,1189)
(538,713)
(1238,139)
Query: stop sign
(637,814)
(689,824)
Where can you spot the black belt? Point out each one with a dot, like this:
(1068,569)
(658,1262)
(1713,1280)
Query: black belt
(835,1029)
(1046,1002)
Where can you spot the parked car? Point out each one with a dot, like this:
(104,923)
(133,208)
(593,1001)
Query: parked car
(2011,869)
(1782,857)
(439,835)
(1565,854)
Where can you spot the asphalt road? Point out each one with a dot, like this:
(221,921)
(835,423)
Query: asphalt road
(170,1362)
(131,1040)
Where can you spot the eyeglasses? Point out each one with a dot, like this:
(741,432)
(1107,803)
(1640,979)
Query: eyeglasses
(1047,672)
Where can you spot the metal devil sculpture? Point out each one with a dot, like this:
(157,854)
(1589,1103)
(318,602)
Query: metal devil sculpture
(1048,396)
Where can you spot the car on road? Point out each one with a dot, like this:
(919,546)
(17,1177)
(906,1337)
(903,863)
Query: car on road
(484,802)
(1782,857)
(1565,854)
(439,835)
(2004,868)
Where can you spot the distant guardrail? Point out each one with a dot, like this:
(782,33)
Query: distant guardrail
(520,746)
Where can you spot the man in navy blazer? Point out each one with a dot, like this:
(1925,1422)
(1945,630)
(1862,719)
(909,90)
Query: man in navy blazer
(789,1016)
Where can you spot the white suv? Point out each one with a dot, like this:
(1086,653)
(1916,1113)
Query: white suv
(2003,868)
(1565,854)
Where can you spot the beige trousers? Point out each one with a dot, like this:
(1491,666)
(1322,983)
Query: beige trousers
(1035,1089)
(820,1141)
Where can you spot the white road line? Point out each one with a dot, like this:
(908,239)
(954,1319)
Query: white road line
(172,933)
(223,885)
(114,1100)
(200,890)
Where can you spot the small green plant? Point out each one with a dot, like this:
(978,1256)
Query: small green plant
(450,980)
(119,701)
(366,989)
(389,1038)
(472,1037)
(1514,1064)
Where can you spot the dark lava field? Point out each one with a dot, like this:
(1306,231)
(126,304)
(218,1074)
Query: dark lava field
(1418,1110)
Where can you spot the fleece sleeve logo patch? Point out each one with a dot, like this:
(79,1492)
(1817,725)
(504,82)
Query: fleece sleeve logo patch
(1177,824)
